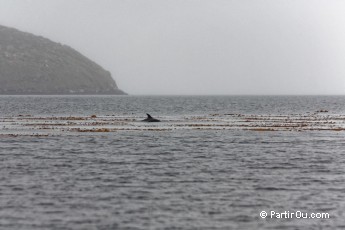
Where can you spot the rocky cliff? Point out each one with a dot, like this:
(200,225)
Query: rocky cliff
(32,64)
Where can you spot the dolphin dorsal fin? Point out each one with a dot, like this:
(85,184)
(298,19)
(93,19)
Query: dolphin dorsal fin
(148,116)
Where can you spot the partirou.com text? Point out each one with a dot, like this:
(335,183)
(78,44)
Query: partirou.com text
(290,215)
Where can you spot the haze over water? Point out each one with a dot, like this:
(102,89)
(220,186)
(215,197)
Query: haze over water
(199,46)
(186,178)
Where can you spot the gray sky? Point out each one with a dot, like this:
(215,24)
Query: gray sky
(199,46)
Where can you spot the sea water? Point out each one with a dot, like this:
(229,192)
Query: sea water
(172,179)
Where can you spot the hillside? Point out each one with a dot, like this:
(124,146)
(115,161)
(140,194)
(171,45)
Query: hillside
(32,64)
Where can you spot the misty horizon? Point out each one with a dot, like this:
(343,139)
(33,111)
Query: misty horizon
(261,47)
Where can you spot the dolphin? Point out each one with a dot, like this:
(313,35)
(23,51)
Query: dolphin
(150,119)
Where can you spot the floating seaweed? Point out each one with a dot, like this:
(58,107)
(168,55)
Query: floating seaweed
(51,125)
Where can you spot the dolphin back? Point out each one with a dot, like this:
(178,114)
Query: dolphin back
(150,119)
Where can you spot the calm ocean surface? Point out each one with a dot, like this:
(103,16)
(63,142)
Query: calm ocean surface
(175,179)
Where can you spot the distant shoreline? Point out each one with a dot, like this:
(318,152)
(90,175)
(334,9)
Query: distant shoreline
(172,95)
(59,94)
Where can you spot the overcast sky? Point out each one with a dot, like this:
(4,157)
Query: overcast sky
(199,46)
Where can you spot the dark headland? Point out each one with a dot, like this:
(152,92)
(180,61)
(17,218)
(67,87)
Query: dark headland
(32,64)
